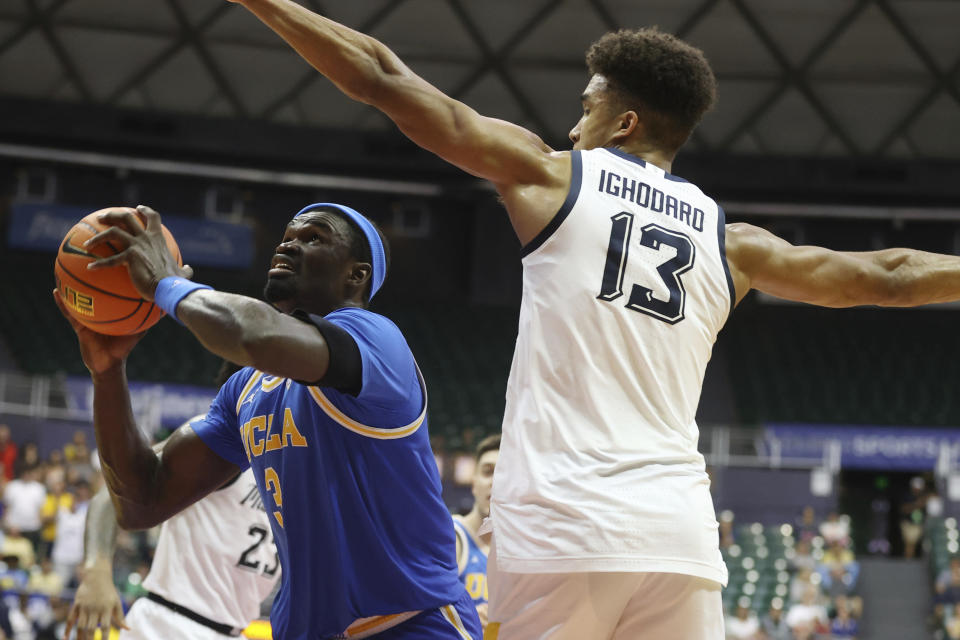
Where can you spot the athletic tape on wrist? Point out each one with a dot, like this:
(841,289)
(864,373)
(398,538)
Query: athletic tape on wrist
(171,290)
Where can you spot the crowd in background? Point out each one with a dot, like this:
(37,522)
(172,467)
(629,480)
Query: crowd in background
(44,505)
(821,602)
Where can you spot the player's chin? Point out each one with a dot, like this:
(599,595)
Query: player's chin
(279,289)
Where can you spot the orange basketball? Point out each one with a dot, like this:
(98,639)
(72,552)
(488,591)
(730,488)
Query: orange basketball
(104,300)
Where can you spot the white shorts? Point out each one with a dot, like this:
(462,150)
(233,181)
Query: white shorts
(150,620)
(602,606)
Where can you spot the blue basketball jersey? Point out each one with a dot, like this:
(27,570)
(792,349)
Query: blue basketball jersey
(350,483)
(474,573)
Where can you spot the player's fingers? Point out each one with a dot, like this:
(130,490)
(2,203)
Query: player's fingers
(109,261)
(187,271)
(151,216)
(113,236)
(106,617)
(71,620)
(124,217)
(82,619)
(119,620)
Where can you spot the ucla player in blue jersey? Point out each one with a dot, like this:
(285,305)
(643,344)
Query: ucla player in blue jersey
(471,549)
(329,411)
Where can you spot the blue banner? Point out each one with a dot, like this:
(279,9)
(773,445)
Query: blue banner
(864,447)
(205,243)
(172,404)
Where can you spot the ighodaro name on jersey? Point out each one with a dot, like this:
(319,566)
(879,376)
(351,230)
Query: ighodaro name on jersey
(256,445)
(651,198)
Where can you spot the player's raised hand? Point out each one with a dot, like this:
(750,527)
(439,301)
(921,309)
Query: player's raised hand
(100,352)
(97,604)
(143,248)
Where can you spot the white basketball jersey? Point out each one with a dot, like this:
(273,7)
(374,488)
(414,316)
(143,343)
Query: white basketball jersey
(217,556)
(623,295)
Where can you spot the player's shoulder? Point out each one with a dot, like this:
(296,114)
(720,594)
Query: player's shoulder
(363,323)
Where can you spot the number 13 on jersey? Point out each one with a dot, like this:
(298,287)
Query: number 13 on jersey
(641,298)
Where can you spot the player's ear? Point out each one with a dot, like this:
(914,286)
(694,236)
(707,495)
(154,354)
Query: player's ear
(360,274)
(627,123)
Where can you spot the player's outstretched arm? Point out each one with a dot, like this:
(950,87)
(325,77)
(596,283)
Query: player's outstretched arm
(889,278)
(368,71)
(97,603)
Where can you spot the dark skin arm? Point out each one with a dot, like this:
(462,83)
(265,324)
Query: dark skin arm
(146,489)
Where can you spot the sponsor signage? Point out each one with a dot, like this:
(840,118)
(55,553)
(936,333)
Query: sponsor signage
(206,243)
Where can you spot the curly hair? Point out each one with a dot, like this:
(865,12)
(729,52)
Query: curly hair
(670,80)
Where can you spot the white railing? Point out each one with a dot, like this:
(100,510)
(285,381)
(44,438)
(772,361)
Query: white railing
(45,397)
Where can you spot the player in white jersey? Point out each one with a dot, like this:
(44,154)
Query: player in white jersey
(603,526)
(215,562)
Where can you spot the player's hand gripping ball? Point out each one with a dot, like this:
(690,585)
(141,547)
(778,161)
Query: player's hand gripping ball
(103,300)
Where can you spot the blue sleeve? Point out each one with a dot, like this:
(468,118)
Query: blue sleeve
(218,428)
(390,394)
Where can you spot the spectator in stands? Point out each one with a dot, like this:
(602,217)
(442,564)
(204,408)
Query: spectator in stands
(19,620)
(744,624)
(57,498)
(43,579)
(774,625)
(807,524)
(835,528)
(838,570)
(23,499)
(947,585)
(853,604)
(801,580)
(808,617)
(913,514)
(77,448)
(12,576)
(727,538)
(78,458)
(68,547)
(803,557)
(8,453)
(27,458)
(6,631)
(953,624)
(844,625)
(55,458)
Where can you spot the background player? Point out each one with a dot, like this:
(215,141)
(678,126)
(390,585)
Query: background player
(602,517)
(214,564)
(342,461)
(471,549)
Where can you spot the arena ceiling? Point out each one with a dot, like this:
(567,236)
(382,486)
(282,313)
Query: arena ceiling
(820,78)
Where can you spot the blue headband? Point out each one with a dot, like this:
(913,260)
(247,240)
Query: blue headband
(373,239)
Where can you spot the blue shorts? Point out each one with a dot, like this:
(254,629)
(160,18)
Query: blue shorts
(457,621)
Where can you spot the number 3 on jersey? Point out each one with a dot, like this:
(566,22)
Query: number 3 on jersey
(641,298)
(272,483)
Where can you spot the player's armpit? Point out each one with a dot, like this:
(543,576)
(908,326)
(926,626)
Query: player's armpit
(814,275)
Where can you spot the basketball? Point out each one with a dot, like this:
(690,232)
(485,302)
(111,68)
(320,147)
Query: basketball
(103,300)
